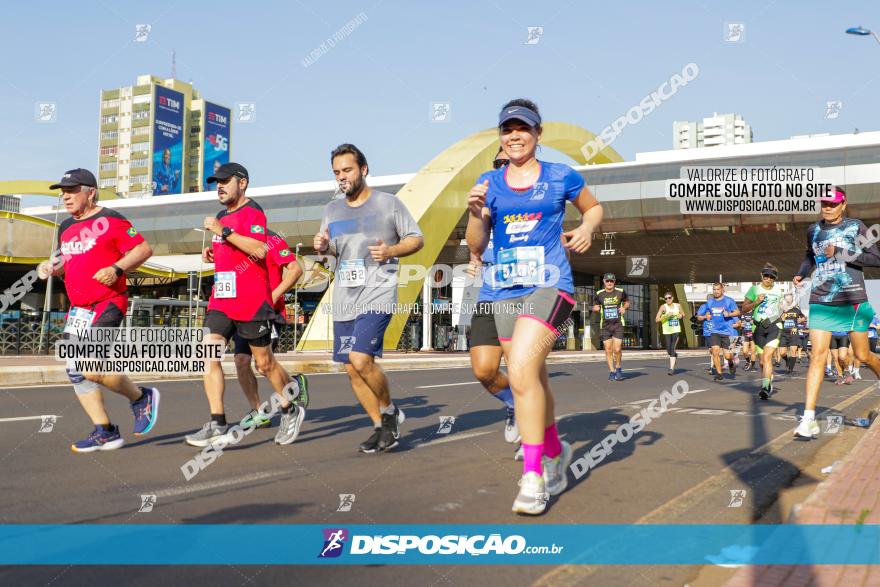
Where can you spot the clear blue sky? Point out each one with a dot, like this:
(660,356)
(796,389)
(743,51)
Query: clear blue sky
(374,88)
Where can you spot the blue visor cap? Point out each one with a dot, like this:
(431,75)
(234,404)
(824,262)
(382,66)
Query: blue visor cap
(522,113)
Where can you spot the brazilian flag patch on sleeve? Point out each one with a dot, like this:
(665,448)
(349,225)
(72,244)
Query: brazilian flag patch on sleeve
(131,231)
(256,228)
(285,253)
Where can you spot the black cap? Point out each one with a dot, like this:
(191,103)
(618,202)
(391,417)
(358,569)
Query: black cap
(228,170)
(609,276)
(76,177)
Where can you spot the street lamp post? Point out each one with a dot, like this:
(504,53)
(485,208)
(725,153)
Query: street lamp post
(296,304)
(861,31)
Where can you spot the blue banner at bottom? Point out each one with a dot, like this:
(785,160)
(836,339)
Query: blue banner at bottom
(99,544)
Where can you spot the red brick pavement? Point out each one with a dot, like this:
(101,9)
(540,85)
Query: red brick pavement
(852,489)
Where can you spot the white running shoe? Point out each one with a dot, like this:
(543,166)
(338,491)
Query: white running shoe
(533,497)
(806,430)
(555,470)
(288,430)
(511,430)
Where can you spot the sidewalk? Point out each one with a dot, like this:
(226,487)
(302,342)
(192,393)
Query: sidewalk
(19,371)
(850,495)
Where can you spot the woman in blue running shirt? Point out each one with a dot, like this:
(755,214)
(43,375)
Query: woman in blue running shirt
(522,206)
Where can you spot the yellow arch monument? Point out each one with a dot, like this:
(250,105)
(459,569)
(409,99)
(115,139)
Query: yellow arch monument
(437,198)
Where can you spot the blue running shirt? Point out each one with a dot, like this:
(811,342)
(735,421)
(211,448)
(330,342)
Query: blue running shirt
(527,230)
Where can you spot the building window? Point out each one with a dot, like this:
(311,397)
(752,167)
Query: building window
(107,183)
(112,103)
(109,150)
(109,134)
(108,166)
(141,130)
(140,146)
(139,162)
(110,119)
(140,115)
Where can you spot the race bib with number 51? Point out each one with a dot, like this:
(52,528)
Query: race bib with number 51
(520,266)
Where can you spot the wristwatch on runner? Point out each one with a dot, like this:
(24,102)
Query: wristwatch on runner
(226,232)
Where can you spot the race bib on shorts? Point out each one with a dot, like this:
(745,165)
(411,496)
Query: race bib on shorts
(520,266)
(78,319)
(352,273)
(224,284)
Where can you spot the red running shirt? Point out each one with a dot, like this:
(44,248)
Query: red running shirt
(252,300)
(278,257)
(89,245)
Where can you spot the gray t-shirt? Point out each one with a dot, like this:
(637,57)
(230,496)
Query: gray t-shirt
(361,284)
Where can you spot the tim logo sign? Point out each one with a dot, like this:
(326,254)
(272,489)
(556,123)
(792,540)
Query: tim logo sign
(169,103)
(334,542)
(217,118)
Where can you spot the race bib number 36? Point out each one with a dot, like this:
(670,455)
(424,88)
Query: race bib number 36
(224,285)
(78,319)
(352,273)
(520,266)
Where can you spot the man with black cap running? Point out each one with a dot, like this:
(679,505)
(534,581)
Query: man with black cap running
(97,247)
(612,303)
(241,303)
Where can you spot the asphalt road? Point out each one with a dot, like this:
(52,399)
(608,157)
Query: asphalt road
(674,471)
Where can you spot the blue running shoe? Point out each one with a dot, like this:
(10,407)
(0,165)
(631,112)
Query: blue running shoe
(611,376)
(146,410)
(99,439)
(619,375)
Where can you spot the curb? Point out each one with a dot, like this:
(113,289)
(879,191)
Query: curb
(26,375)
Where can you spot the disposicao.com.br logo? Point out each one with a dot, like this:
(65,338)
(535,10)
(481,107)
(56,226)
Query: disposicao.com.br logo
(431,544)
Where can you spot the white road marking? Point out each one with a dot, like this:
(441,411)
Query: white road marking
(196,487)
(453,437)
(446,385)
(27,418)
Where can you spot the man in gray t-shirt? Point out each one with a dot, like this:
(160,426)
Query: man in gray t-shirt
(364,284)
(367,231)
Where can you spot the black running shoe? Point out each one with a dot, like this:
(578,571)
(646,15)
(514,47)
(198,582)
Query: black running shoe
(387,438)
(732,366)
(765,393)
(370,445)
(717,378)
